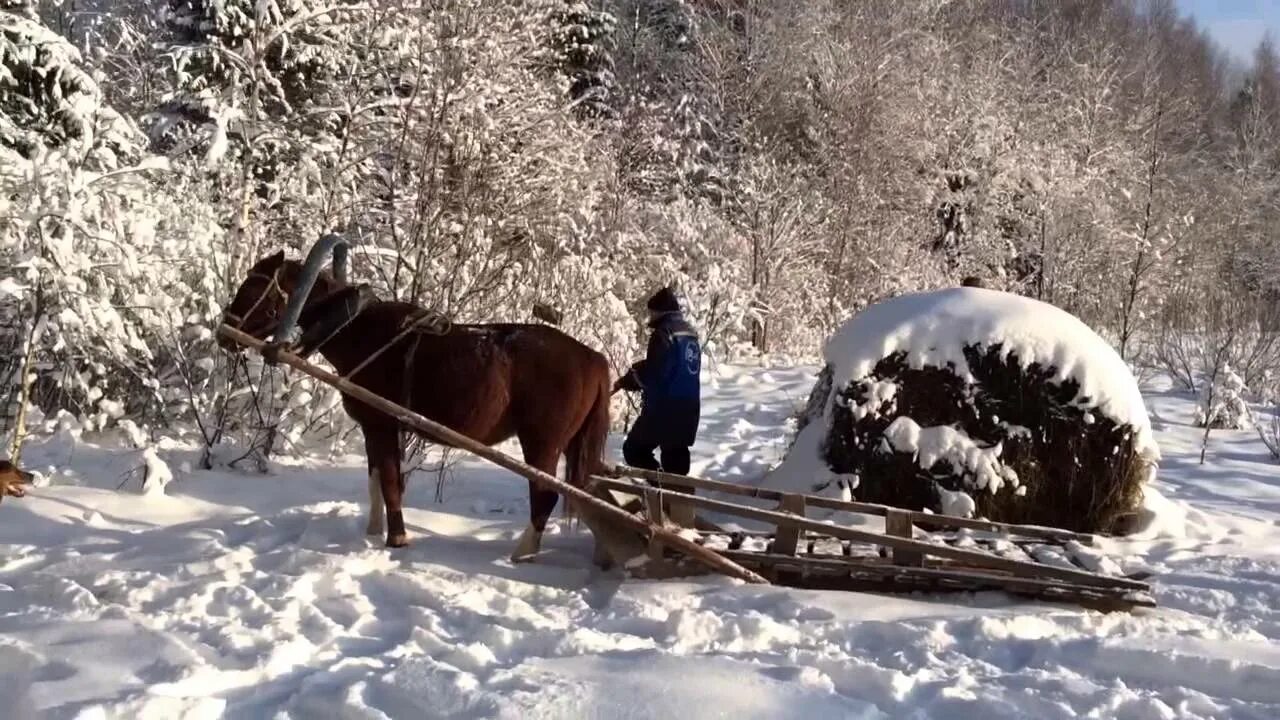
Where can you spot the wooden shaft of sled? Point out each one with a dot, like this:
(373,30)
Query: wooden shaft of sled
(917,517)
(979,559)
(584,499)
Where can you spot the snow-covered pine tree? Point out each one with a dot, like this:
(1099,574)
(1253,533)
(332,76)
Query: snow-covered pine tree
(668,140)
(49,101)
(241,65)
(583,40)
(264,84)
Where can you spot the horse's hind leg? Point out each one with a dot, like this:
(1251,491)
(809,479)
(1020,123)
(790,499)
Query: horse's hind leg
(541,502)
(386,486)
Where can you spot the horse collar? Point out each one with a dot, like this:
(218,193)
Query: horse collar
(330,315)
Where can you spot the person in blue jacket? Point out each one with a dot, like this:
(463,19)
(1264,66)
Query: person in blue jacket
(670,387)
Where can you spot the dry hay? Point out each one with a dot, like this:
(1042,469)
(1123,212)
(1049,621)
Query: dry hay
(1080,470)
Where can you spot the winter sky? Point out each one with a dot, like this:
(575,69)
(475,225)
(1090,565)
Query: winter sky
(1237,25)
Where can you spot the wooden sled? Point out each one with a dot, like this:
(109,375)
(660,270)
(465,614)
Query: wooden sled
(659,535)
(917,551)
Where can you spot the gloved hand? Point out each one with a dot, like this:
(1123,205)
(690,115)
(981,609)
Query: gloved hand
(627,382)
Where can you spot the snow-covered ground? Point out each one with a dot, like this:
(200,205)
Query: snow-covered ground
(249,596)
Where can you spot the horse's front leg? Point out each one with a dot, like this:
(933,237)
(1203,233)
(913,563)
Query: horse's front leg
(386,484)
(376,510)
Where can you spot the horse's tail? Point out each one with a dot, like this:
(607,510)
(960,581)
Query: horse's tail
(586,449)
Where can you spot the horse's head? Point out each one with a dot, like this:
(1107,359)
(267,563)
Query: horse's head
(259,302)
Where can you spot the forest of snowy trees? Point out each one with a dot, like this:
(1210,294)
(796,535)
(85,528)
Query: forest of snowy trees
(782,163)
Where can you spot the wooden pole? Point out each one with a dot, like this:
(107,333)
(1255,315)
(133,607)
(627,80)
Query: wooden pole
(586,502)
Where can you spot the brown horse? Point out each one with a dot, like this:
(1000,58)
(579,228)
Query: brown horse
(489,382)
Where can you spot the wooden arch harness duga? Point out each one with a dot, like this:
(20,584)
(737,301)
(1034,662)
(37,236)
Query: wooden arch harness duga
(489,382)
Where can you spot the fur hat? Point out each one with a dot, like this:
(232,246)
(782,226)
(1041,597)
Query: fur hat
(664,301)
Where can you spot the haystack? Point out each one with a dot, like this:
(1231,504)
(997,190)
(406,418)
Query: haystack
(976,402)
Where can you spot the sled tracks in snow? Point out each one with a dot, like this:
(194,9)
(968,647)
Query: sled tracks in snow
(647,523)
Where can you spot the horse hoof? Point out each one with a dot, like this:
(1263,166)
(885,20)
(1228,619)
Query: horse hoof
(398,541)
(601,558)
(374,531)
(528,546)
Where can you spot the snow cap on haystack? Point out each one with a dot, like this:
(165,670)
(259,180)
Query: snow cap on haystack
(933,328)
